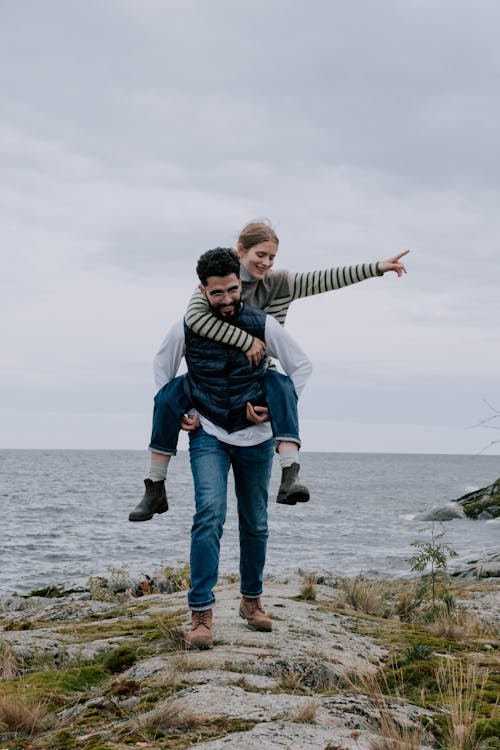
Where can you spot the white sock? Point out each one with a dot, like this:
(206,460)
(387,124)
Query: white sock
(158,468)
(289,457)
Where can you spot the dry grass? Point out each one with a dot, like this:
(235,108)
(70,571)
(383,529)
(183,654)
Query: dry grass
(180,663)
(291,682)
(170,635)
(308,591)
(18,714)
(366,596)
(241,682)
(172,714)
(461,688)
(394,734)
(305,676)
(407,605)
(478,627)
(305,714)
(459,623)
(192,662)
(10,664)
(451,626)
(176,579)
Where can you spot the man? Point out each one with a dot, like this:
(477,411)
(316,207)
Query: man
(230,429)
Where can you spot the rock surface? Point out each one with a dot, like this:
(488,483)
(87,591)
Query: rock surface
(297,687)
(483,504)
(442,513)
(484,567)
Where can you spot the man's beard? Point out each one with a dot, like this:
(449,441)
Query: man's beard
(224,316)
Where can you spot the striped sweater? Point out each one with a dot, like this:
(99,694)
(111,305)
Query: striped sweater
(273,294)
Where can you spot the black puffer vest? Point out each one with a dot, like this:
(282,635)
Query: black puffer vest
(220,378)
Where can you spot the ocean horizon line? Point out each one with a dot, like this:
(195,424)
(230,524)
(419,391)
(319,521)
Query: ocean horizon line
(303,452)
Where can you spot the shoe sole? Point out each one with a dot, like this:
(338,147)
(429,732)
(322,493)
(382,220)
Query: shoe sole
(199,647)
(293,498)
(255,627)
(148,518)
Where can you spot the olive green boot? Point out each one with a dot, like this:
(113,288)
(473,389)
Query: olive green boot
(154,501)
(291,491)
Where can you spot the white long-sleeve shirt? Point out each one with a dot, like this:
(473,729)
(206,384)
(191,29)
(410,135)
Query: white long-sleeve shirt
(280,345)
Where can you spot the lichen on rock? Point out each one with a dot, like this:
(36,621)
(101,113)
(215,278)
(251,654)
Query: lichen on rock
(483,504)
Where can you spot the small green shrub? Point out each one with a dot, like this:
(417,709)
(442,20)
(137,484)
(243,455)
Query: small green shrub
(418,652)
(178,579)
(432,554)
(120,659)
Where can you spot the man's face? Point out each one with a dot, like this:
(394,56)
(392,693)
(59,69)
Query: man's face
(223,294)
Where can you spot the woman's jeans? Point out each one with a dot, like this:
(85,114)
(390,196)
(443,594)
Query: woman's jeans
(173,401)
(210,462)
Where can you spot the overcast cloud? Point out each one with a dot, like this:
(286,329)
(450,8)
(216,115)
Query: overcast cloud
(135,134)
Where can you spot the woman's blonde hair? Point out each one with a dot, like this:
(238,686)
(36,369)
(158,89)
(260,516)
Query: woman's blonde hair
(256,232)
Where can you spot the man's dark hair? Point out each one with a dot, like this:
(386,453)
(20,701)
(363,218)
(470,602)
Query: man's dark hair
(221,261)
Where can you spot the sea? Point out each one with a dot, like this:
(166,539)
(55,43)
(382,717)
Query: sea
(64,515)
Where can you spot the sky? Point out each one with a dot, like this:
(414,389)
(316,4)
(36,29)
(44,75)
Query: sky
(136,134)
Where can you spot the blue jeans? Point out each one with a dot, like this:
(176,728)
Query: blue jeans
(210,462)
(172,401)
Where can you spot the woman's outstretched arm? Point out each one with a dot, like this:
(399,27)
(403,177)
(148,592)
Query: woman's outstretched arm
(309,283)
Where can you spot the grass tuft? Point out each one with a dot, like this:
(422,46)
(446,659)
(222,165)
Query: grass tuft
(366,596)
(461,691)
(308,591)
(447,626)
(291,682)
(394,734)
(168,631)
(10,664)
(191,661)
(172,714)
(418,652)
(305,714)
(303,676)
(120,659)
(175,579)
(20,714)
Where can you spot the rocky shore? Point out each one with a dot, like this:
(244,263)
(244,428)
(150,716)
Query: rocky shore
(482,505)
(349,664)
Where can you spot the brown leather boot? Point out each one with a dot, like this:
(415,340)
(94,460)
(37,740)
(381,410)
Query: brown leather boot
(253,612)
(291,491)
(154,501)
(200,636)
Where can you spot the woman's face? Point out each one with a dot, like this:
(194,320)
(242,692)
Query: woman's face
(259,259)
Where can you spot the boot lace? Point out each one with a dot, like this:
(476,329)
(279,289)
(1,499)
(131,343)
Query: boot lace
(254,605)
(201,618)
